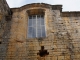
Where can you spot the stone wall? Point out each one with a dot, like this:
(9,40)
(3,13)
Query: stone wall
(61,41)
(4,28)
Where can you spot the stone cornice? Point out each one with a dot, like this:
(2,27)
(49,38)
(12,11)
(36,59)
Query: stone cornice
(43,5)
(70,14)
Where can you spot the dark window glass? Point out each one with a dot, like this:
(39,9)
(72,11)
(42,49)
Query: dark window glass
(34,16)
(30,17)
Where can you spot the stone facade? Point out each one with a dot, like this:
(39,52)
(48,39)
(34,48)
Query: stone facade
(62,33)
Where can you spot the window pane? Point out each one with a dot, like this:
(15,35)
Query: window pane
(34,22)
(43,31)
(30,32)
(42,21)
(34,16)
(34,32)
(38,20)
(30,17)
(38,16)
(42,16)
(30,22)
(38,31)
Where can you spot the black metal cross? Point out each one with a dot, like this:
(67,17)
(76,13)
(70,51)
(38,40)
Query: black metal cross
(43,52)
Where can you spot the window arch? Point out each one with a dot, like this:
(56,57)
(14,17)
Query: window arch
(36,24)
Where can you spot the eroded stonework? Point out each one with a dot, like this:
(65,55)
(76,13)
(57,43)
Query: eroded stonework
(62,41)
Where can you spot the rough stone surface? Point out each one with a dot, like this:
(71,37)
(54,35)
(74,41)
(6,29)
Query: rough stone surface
(62,39)
(4,28)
